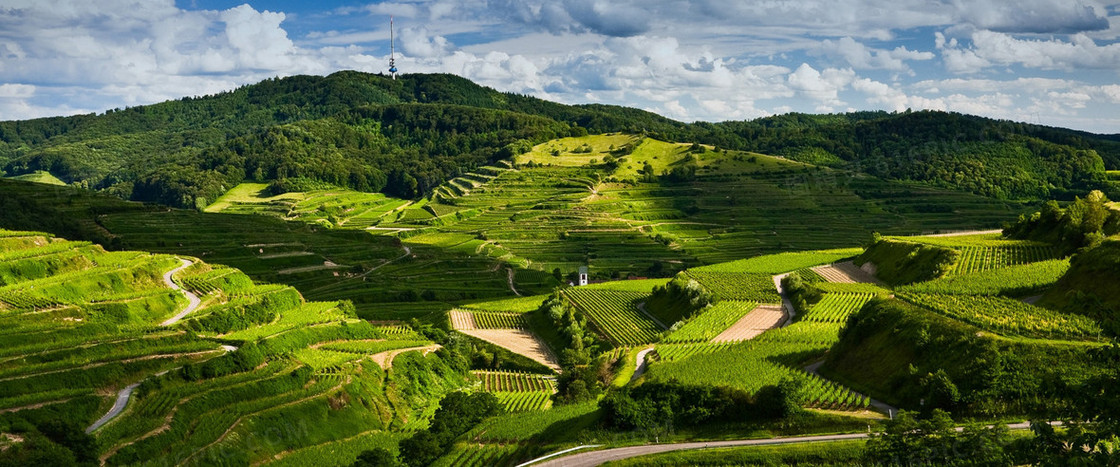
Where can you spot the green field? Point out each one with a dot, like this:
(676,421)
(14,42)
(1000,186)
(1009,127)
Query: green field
(39,176)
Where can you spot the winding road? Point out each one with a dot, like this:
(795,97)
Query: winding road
(192,299)
(125,394)
(640,365)
(593,458)
(118,407)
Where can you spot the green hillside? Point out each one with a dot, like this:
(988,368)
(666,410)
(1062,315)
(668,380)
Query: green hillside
(406,137)
(312,269)
(81,324)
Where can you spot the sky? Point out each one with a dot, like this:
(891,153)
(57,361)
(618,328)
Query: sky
(1053,62)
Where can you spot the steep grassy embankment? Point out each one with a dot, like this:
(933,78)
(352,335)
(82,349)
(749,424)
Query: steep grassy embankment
(898,262)
(1091,286)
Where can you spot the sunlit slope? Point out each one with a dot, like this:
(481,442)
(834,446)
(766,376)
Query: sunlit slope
(82,328)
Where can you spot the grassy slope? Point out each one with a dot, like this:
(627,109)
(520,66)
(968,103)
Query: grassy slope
(903,262)
(1090,286)
(888,337)
(39,176)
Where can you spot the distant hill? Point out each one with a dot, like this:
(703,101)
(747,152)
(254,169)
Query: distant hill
(997,158)
(405,137)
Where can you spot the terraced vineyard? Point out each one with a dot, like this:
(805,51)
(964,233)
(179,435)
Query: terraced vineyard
(711,322)
(753,287)
(1012,280)
(750,366)
(524,401)
(506,381)
(84,323)
(780,262)
(491,320)
(485,455)
(1009,317)
(836,307)
(615,314)
(981,258)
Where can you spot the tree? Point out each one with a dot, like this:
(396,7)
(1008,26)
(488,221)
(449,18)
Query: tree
(421,449)
(377,457)
(909,440)
(780,401)
(941,393)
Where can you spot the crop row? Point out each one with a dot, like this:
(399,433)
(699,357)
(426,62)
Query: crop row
(370,347)
(780,262)
(615,314)
(525,401)
(750,366)
(488,455)
(321,359)
(1008,316)
(835,307)
(492,320)
(822,334)
(508,381)
(1018,280)
(753,287)
(711,321)
(228,280)
(397,332)
(977,258)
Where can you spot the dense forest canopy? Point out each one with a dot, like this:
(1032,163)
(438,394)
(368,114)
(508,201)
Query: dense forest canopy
(404,137)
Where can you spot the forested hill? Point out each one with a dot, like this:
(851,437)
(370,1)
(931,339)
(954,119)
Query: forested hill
(998,158)
(406,136)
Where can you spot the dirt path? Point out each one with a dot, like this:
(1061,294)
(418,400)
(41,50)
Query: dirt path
(38,405)
(511,282)
(192,300)
(518,341)
(846,272)
(965,232)
(641,365)
(758,321)
(786,304)
(107,362)
(407,253)
(289,254)
(118,407)
(385,359)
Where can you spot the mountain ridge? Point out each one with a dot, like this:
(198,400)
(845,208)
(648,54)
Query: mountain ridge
(376,134)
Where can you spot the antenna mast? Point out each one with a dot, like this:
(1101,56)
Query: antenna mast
(392,51)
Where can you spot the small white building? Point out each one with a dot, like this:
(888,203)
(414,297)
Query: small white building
(583,275)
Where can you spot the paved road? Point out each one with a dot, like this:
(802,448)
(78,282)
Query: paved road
(118,407)
(192,299)
(593,458)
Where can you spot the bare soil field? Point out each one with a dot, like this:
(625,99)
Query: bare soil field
(759,320)
(518,341)
(845,272)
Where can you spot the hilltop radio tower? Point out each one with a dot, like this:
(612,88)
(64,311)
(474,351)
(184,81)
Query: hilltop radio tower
(392,51)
